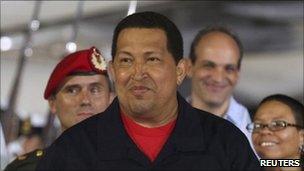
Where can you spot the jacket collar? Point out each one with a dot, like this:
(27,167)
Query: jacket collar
(187,136)
(188,133)
(114,137)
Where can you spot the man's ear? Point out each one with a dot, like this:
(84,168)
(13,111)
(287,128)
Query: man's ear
(301,133)
(181,71)
(189,67)
(52,104)
(238,76)
(112,96)
(111,70)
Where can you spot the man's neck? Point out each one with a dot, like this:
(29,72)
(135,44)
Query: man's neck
(152,119)
(219,110)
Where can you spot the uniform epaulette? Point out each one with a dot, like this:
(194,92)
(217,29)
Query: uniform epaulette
(27,161)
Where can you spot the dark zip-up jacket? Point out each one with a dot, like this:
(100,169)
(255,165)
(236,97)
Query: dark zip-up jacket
(199,141)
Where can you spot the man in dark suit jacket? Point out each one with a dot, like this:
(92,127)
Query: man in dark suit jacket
(149,126)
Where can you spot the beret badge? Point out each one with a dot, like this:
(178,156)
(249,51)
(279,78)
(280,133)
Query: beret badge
(98,62)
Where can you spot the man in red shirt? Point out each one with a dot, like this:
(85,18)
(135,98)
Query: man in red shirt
(149,126)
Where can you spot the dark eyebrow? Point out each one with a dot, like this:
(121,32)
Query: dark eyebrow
(66,87)
(71,86)
(96,84)
(152,52)
(213,63)
(124,52)
(207,62)
(233,65)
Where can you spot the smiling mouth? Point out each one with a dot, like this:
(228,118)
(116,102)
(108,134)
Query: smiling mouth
(215,88)
(139,90)
(267,144)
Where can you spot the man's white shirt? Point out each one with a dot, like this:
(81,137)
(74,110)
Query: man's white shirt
(239,116)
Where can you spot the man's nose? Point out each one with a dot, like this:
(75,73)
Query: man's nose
(139,71)
(85,98)
(218,75)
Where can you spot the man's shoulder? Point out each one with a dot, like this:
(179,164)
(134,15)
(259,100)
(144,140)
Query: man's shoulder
(209,122)
(219,131)
(92,123)
(27,161)
(207,116)
(90,128)
(238,114)
(236,107)
(215,125)
(97,120)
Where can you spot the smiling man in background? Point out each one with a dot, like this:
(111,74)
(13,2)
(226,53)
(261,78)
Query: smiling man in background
(215,61)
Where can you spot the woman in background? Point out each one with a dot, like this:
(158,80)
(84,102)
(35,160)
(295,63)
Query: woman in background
(278,129)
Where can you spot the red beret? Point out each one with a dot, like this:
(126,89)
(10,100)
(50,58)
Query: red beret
(87,60)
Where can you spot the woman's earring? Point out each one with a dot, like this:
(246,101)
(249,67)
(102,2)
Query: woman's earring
(301,149)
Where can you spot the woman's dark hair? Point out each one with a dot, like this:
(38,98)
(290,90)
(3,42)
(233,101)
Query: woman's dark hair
(296,107)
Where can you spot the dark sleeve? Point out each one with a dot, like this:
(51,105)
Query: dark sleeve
(55,156)
(28,163)
(12,166)
(241,155)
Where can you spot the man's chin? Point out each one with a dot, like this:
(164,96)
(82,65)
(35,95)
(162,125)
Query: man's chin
(215,102)
(141,106)
(82,117)
(140,97)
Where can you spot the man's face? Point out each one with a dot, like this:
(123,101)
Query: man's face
(145,73)
(215,71)
(79,98)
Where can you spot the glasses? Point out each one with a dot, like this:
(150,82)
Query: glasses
(272,126)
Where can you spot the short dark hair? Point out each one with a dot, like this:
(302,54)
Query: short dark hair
(210,29)
(152,20)
(296,107)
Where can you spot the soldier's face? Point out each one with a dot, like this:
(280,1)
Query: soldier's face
(144,71)
(79,98)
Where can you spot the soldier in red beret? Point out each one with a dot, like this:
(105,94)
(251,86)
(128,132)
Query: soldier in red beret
(79,87)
